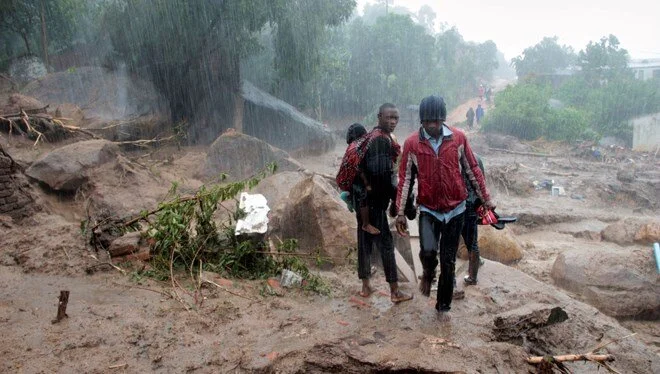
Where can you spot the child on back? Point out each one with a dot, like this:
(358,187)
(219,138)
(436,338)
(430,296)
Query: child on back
(361,186)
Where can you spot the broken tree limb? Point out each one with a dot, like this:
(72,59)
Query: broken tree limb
(61,307)
(571,358)
(524,153)
(77,129)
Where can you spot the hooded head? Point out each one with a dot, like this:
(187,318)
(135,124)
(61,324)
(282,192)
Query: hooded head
(354,132)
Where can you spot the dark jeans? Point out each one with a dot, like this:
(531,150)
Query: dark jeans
(384,241)
(470,231)
(432,232)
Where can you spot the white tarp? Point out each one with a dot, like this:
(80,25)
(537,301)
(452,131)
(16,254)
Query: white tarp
(256,220)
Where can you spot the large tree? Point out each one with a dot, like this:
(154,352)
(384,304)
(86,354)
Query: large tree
(192,50)
(546,57)
(603,60)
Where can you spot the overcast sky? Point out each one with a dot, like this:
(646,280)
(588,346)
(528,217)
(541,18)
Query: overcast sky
(517,24)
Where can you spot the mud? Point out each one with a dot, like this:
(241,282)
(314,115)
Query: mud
(129,323)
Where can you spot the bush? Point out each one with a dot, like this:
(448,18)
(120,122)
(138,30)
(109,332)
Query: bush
(520,111)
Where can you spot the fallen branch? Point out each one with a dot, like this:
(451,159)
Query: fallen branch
(571,358)
(77,129)
(603,345)
(142,143)
(524,153)
(228,291)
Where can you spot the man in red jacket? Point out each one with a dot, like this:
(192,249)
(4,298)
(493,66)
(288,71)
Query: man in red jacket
(437,155)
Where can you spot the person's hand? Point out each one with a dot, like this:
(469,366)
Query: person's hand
(368,188)
(490,204)
(401,225)
(392,209)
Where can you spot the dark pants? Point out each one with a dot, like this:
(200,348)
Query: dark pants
(470,231)
(384,241)
(432,231)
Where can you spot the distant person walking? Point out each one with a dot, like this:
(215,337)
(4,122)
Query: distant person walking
(489,93)
(470,118)
(481,92)
(436,155)
(480,113)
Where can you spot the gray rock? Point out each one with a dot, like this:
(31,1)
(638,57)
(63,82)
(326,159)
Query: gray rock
(315,215)
(280,124)
(123,245)
(103,94)
(620,283)
(241,156)
(65,169)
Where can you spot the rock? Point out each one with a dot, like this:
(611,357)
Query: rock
(278,186)
(496,245)
(26,69)
(280,124)
(648,233)
(622,232)
(16,102)
(622,284)
(511,324)
(71,111)
(242,156)
(142,255)
(316,216)
(65,169)
(129,243)
(626,174)
(108,95)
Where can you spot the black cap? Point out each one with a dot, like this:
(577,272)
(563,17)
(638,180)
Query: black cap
(432,108)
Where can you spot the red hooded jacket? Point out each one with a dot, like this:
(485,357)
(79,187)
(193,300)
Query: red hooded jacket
(441,185)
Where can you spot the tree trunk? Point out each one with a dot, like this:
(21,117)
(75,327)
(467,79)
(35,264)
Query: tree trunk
(44,40)
(239,107)
(27,43)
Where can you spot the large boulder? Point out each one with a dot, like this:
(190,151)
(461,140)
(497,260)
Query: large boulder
(242,156)
(632,230)
(315,215)
(280,124)
(104,94)
(277,187)
(496,245)
(65,169)
(16,102)
(620,283)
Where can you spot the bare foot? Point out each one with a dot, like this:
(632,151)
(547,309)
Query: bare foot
(443,316)
(399,297)
(366,291)
(425,285)
(458,295)
(371,230)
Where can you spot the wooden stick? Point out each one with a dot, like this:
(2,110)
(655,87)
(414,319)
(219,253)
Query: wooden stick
(228,291)
(77,129)
(524,153)
(603,345)
(61,307)
(571,358)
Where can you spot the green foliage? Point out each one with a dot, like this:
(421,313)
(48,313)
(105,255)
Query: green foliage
(520,111)
(546,57)
(523,111)
(185,237)
(603,61)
